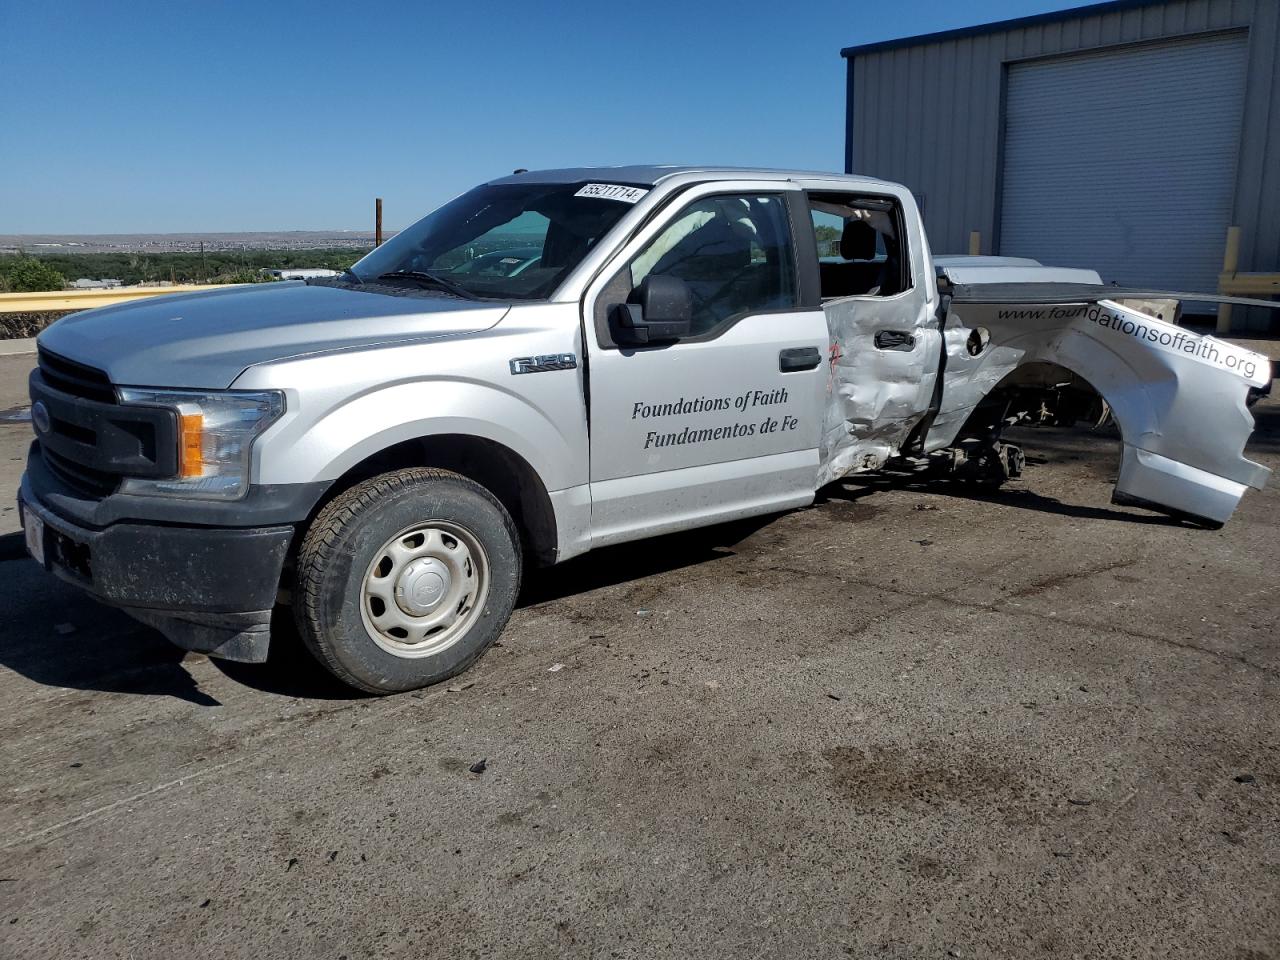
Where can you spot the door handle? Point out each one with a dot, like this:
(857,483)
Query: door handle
(894,340)
(794,359)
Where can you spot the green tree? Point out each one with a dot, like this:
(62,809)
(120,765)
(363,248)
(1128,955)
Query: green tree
(243,275)
(28,275)
(828,238)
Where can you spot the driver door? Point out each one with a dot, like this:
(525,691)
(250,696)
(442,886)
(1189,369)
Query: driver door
(724,422)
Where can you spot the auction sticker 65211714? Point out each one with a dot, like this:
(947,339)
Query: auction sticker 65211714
(613,191)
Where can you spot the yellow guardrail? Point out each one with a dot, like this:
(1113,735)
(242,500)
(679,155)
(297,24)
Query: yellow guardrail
(61,300)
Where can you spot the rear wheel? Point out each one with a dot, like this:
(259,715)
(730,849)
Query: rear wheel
(406,579)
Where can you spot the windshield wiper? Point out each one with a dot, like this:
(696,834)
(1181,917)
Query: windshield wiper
(350,274)
(423,276)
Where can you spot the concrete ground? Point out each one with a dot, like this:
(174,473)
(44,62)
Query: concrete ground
(903,723)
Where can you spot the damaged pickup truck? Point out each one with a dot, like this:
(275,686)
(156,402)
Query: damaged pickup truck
(555,361)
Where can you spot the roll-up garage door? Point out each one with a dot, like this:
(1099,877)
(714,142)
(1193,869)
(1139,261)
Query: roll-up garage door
(1124,161)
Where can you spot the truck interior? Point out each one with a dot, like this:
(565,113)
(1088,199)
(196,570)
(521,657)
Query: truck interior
(859,246)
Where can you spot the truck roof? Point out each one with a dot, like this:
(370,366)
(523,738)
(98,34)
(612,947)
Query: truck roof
(650,175)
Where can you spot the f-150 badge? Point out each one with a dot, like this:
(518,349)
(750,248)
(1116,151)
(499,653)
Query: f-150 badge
(550,361)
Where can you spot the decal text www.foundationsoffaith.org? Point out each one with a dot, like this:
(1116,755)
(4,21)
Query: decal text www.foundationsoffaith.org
(1143,328)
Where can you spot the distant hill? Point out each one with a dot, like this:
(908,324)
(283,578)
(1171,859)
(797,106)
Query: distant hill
(239,264)
(38,244)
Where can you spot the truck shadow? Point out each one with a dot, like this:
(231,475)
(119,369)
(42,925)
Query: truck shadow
(856,489)
(290,670)
(1081,454)
(638,559)
(55,636)
(1088,456)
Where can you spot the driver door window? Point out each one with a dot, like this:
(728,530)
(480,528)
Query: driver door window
(733,252)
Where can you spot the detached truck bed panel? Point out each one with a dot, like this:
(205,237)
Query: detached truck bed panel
(1179,399)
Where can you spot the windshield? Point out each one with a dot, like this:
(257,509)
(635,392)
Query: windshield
(507,242)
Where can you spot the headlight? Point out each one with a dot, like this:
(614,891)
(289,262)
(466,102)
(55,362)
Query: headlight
(215,437)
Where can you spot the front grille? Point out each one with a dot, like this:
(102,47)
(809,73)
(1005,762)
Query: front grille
(82,479)
(92,442)
(75,378)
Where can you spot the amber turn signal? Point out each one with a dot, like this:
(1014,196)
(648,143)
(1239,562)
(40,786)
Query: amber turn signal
(190,458)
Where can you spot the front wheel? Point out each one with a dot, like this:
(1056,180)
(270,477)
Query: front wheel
(406,579)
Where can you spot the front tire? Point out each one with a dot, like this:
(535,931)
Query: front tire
(406,579)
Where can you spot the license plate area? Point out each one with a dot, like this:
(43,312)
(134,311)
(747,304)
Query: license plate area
(68,553)
(33,529)
(52,548)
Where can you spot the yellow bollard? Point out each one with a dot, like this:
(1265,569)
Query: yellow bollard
(1230,264)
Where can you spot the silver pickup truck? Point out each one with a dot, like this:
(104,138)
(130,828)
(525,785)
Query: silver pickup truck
(559,360)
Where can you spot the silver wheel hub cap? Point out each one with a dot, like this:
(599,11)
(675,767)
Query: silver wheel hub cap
(422,585)
(424,589)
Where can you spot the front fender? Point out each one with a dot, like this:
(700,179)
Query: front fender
(343,407)
(374,421)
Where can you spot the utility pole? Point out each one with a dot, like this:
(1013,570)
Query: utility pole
(377,222)
(204,265)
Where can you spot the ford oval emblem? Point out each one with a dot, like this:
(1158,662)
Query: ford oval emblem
(40,417)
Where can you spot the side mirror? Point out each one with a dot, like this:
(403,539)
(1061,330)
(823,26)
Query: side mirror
(660,309)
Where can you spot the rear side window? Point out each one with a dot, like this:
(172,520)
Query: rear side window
(734,253)
(861,245)
(828,229)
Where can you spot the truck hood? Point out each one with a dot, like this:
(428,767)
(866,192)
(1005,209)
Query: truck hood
(206,340)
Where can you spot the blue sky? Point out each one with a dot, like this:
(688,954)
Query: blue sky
(218,116)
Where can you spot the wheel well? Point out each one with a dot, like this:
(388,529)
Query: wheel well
(1036,392)
(500,470)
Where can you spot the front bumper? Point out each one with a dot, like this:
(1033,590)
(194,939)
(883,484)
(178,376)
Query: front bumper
(207,588)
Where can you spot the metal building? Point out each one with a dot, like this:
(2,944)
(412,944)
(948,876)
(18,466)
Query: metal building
(1123,136)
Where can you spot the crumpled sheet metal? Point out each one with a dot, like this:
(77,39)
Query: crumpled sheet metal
(1178,398)
(874,397)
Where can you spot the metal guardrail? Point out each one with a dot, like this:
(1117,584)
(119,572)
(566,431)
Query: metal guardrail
(55,301)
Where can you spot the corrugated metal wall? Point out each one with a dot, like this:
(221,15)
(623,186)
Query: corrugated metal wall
(930,115)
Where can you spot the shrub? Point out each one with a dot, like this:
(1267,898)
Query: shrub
(28,275)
